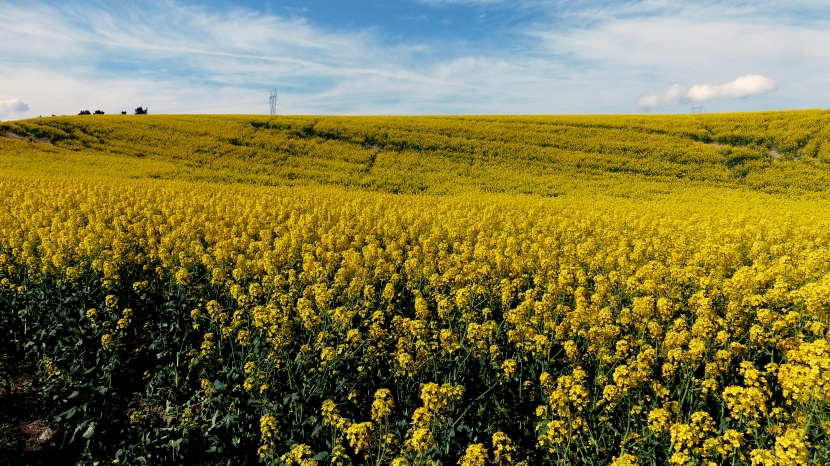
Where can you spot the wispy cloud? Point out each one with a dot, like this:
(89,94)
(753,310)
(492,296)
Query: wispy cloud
(196,60)
(167,45)
(566,57)
(461,2)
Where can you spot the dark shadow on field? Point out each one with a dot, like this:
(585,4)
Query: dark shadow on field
(25,437)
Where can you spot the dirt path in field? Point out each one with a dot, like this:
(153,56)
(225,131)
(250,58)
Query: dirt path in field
(28,137)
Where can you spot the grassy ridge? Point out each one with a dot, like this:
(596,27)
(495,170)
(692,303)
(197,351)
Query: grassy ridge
(770,152)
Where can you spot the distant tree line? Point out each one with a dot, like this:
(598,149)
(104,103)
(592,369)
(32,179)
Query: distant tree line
(138,111)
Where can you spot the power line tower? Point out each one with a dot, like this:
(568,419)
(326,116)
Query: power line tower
(273,101)
(698,109)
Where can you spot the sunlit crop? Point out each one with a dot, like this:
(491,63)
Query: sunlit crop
(418,291)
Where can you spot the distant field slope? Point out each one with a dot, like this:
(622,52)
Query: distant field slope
(545,155)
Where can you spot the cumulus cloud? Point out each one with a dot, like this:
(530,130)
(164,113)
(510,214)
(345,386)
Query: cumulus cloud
(12,106)
(669,96)
(745,86)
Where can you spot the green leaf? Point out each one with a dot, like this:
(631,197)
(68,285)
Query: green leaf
(90,431)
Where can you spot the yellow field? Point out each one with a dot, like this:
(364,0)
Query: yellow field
(424,290)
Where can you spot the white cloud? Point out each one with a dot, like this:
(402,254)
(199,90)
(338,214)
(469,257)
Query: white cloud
(632,50)
(192,60)
(11,106)
(669,96)
(745,86)
(172,57)
(577,57)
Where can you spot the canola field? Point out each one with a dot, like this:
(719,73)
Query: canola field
(482,290)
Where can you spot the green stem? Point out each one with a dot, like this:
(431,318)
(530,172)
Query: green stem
(470,405)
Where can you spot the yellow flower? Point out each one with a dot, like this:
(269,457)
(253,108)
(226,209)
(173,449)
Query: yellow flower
(268,427)
(475,455)
(791,449)
(111,301)
(339,456)
(107,340)
(621,348)
(214,310)
(449,341)
(680,458)
(243,337)
(208,346)
(571,350)
(761,457)
(611,393)
(50,367)
(141,287)
(625,459)
(360,436)
(746,403)
(383,404)
(122,323)
(298,455)
(249,383)
(503,448)
(509,367)
(683,437)
(331,415)
(733,440)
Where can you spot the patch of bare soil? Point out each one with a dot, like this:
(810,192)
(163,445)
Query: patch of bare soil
(28,137)
(25,436)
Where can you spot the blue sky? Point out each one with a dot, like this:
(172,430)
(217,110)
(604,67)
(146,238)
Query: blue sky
(358,57)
